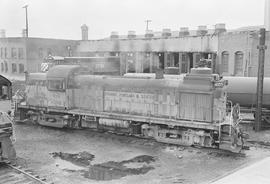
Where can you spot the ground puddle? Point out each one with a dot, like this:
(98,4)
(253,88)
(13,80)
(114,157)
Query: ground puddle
(81,163)
(80,159)
(116,170)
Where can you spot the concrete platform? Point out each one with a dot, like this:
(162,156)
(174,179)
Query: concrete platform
(258,173)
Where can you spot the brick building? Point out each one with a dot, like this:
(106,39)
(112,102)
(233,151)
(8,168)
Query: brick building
(238,54)
(232,52)
(146,53)
(21,54)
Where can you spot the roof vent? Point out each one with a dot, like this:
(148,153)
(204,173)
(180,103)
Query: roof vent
(149,34)
(2,33)
(202,30)
(84,29)
(184,32)
(131,34)
(114,35)
(220,28)
(24,33)
(166,33)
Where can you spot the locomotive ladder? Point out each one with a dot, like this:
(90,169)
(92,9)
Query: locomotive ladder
(228,139)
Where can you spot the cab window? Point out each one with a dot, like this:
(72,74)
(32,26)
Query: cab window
(56,85)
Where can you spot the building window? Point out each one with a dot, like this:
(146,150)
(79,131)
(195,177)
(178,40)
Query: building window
(225,61)
(238,66)
(6,67)
(2,52)
(130,66)
(114,53)
(14,67)
(20,53)
(13,53)
(21,68)
(40,53)
(2,67)
(5,52)
(146,62)
(184,65)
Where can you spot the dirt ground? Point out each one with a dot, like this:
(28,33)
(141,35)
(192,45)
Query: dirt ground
(83,156)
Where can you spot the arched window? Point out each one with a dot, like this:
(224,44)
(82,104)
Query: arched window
(6,67)
(225,61)
(2,67)
(14,67)
(21,68)
(238,66)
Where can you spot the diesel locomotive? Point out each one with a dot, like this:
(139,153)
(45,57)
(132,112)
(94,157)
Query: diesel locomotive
(184,111)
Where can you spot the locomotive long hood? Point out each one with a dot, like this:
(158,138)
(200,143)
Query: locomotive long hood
(88,80)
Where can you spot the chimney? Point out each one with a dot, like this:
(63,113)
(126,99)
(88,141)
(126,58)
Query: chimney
(114,35)
(184,32)
(149,34)
(267,15)
(166,33)
(24,33)
(202,30)
(2,33)
(220,28)
(131,34)
(84,29)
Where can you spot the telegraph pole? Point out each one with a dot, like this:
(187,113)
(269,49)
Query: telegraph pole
(147,22)
(26,20)
(260,76)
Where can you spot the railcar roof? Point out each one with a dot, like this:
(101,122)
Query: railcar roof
(4,81)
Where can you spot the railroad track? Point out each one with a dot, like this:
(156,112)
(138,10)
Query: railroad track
(10,174)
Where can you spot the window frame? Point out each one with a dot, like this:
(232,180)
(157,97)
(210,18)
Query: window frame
(225,53)
(14,69)
(51,85)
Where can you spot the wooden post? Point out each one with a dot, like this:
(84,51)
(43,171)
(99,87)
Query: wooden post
(260,76)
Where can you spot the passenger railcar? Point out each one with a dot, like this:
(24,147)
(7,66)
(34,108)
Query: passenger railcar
(188,111)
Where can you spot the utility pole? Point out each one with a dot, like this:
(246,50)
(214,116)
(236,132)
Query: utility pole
(26,20)
(147,22)
(260,76)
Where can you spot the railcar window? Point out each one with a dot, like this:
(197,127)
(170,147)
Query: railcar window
(56,85)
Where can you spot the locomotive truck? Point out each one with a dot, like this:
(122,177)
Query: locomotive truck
(187,111)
